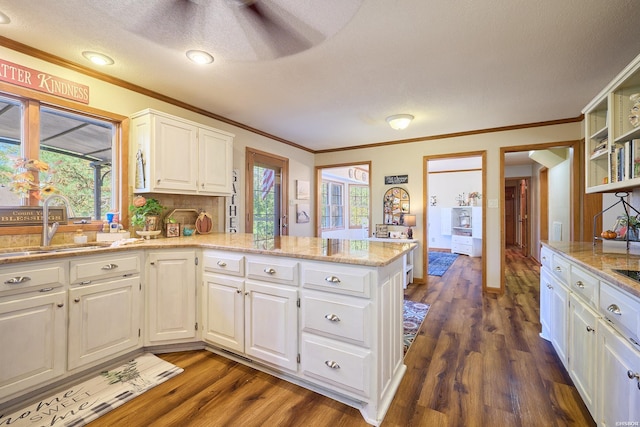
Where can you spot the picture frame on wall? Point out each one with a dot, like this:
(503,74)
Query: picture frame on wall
(303,190)
(302,213)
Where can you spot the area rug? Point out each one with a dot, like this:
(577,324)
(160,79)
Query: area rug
(439,262)
(413,316)
(84,402)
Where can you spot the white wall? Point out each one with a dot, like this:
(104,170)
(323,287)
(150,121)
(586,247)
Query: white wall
(559,209)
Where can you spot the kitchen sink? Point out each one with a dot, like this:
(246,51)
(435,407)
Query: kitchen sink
(632,274)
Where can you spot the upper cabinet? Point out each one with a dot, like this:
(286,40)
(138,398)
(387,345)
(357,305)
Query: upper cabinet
(174,155)
(612,134)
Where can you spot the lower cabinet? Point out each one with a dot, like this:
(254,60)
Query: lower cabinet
(104,319)
(559,319)
(271,324)
(34,345)
(171,292)
(618,379)
(259,320)
(583,330)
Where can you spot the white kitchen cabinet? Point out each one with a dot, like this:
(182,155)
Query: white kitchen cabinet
(546,294)
(559,319)
(179,156)
(271,324)
(618,378)
(105,307)
(583,333)
(34,345)
(171,292)
(223,311)
(256,315)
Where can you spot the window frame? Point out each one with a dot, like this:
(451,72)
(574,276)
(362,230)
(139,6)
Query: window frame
(331,205)
(368,204)
(32,100)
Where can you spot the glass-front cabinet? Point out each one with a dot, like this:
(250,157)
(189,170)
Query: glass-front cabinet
(612,134)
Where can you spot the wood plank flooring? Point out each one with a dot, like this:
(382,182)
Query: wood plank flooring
(477,361)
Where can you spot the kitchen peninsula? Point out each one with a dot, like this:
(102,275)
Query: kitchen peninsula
(325,314)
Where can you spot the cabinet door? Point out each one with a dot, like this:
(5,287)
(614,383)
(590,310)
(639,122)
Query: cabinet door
(223,311)
(174,162)
(546,292)
(215,159)
(171,296)
(271,324)
(33,341)
(559,320)
(583,324)
(619,395)
(104,319)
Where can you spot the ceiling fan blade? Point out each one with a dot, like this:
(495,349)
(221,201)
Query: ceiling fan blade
(283,39)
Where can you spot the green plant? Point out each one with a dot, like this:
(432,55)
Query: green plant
(142,208)
(631,221)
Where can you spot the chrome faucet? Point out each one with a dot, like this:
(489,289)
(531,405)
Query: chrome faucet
(48,231)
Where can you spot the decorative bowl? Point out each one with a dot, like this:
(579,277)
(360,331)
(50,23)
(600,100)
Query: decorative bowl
(147,234)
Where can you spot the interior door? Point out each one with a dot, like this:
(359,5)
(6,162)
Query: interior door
(509,216)
(267,195)
(523,217)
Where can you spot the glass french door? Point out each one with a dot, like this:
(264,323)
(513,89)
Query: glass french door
(267,195)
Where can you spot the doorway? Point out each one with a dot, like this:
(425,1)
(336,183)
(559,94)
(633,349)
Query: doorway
(454,185)
(516,214)
(343,201)
(267,195)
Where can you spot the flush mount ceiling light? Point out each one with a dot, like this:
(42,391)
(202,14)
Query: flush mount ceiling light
(399,121)
(97,58)
(199,56)
(4,19)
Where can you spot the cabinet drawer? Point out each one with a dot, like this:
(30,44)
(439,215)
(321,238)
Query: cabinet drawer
(463,240)
(225,263)
(29,276)
(96,268)
(620,309)
(584,285)
(560,268)
(273,270)
(462,249)
(343,318)
(337,364)
(545,256)
(337,279)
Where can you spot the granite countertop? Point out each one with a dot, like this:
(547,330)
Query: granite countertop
(357,252)
(601,259)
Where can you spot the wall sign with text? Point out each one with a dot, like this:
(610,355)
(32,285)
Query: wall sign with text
(396,179)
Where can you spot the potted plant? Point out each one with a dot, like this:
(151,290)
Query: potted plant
(629,227)
(145,213)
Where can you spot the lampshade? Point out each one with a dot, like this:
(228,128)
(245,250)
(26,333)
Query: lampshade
(399,121)
(409,221)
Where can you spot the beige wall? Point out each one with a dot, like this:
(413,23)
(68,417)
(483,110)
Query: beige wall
(387,160)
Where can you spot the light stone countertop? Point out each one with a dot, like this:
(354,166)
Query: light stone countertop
(601,259)
(356,252)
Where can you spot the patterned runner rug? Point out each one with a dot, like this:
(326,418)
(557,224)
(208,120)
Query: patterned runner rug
(84,402)
(439,262)
(413,316)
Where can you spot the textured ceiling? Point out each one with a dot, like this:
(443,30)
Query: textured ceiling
(458,65)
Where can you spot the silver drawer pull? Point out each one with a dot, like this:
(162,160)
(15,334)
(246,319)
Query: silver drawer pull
(579,284)
(614,309)
(549,286)
(332,279)
(17,280)
(45,290)
(590,329)
(86,282)
(332,364)
(332,317)
(221,264)
(558,268)
(269,270)
(110,267)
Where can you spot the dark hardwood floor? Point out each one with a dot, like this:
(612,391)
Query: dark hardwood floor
(477,361)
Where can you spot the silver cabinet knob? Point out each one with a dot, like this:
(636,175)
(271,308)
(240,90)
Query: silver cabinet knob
(332,317)
(613,308)
(332,364)
(579,284)
(590,329)
(332,279)
(221,264)
(76,299)
(269,270)
(60,305)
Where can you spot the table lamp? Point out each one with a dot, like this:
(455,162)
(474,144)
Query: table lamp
(410,221)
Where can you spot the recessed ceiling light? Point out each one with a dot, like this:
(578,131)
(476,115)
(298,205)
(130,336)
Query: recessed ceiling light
(4,19)
(199,56)
(97,58)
